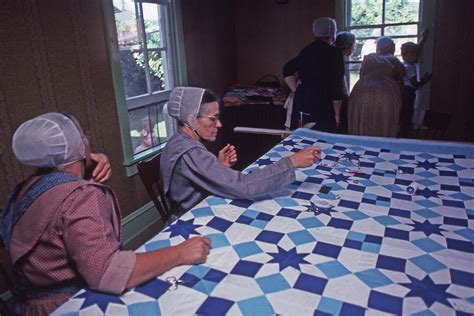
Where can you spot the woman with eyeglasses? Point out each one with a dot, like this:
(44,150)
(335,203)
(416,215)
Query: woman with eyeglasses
(189,172)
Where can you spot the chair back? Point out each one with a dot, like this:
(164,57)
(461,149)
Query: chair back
(436,123)
(149,171)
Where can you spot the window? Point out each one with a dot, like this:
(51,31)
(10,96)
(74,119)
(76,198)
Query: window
(370,19)
(146,63)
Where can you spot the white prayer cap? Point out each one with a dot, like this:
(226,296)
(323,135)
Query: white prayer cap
(49,140)
(185,102)
(324,27)
(385,45)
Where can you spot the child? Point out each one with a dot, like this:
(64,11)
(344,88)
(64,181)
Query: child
(410,52)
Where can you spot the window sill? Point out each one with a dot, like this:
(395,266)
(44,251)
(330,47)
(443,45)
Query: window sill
(131,165)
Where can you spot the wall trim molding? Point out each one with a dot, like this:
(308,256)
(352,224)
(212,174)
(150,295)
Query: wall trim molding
(137,222)
(6,296)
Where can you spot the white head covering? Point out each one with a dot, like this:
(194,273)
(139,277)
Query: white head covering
(49,140)
(385,45)
(324,26)
(185,102)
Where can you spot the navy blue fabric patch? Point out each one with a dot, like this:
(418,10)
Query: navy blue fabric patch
(399,212)
(242,203)
(288,212)
(352,310)
(340,223)
(349,204)
(219,224)
(302,195)
(354,244)
(455,221)
(246,268)
(397,233)
(269,237)
(154,288)
(391,263)
(327,250)
(460,245)
(386,303)
(214,306)
(462,278)
(310,283)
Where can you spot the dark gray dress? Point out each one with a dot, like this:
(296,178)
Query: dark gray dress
(189,172)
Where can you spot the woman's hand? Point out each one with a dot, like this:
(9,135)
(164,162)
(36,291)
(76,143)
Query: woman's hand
(306,157)
(194,250)
(102,170)
(228,155)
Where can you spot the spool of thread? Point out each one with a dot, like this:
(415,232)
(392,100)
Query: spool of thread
(412,188)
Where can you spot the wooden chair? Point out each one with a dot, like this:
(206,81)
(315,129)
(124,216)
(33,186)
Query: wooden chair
(436,123)
(149,171)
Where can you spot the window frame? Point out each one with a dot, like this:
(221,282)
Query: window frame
(343,12)
(175,47)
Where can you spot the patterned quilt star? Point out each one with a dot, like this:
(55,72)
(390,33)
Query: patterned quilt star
(351,156)
(183,228)
(288,258)
(427,165)
(427,228)
(320,210)
(428,291)
(338,177)
(427,193)
(101,299)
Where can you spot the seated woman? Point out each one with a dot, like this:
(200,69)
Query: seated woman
(62,232)
(376,99)
(190,172)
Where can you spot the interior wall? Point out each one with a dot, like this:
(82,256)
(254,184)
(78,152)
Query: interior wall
(453,64)
(270,34)
(209,40)
(54,57)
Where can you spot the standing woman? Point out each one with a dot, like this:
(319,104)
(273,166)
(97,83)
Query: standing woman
(320,69)
(376,99)
(345,41)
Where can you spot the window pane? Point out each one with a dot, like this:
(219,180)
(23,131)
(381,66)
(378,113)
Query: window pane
(147,127)
(402,30)
(133,73)
(129,42)
(369,32)
(151,16)
(366,12)
(401,11)
(127,24)
(363,47)
(157,73)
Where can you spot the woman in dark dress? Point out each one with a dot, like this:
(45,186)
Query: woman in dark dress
(320,69)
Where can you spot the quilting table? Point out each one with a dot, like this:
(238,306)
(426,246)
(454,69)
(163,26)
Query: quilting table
(375,248)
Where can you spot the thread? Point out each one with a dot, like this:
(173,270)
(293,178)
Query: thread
(412,188)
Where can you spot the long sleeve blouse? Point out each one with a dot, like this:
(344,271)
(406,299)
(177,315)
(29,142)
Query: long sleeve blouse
(190,173)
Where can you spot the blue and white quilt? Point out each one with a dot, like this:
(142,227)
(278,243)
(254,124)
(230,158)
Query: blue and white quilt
(346,238)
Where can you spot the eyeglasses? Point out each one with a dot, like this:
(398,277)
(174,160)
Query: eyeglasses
(213,118)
